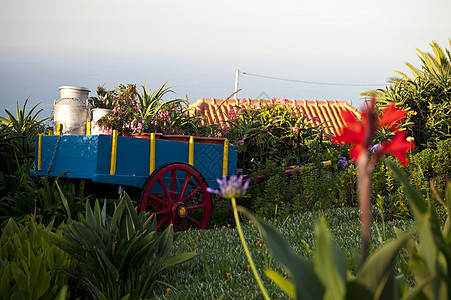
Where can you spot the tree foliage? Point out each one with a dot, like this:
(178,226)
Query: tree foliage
(426,94)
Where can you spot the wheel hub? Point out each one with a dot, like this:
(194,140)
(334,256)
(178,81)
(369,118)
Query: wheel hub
(179,210)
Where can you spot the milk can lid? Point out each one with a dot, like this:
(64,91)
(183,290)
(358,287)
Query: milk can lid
(79,88)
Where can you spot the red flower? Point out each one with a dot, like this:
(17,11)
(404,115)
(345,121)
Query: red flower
(398,146)
(357,132)
(391,116)
(360,133)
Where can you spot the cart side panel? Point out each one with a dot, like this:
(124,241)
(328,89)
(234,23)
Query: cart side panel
(170,151)
(75,156)
(132,156)
(89,157)
(104,143)
(208,159)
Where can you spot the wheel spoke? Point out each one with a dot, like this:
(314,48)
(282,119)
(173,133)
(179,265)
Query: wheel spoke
(183,225)
(194,221)
(195,207)
(164,219)
(185,184)
(161,212)
(165,190)
(173,181)
(193,192)
(156,199)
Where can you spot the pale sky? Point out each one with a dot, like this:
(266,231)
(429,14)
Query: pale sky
(197,46)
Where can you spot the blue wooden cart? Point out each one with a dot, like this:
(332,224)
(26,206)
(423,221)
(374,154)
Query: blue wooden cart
(173,172)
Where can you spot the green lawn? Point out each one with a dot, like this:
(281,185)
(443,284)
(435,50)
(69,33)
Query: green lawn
(221,270)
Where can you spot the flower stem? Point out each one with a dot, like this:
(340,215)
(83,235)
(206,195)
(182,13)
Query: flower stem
(246,249)
(364,186)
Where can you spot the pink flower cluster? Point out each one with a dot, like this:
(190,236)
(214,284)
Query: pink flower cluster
(242,101)
(164,115)
(281,100)
(234,113)
(135,126)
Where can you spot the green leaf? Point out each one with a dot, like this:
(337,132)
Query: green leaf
(447,226)
(356,290)
(97,213)
(89,216)
(62,295)
(64,200)
(377,269)
(177,259)
(307,284)
(19,276)
(330,263)
(417,290)
(165,241)
(40,278)
(416,202)
(286,285)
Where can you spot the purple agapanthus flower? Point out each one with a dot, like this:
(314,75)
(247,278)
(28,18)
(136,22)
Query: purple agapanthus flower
(375,148)
(342,162)
(231,187)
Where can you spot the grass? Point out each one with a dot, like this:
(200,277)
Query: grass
(221,270)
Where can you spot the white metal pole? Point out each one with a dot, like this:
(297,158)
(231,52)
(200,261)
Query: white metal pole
(236,83)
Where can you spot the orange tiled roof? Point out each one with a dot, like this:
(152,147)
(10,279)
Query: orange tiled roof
(329,113)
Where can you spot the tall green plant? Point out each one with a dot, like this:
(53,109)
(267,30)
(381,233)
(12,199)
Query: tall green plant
(118,257)
(17,136)
(151,103)
(24,121)
(48,200)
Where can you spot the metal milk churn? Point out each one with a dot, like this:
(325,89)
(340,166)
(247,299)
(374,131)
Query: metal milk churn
(72,110)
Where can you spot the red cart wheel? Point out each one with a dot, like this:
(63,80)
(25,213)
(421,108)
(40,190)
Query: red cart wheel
(177,194)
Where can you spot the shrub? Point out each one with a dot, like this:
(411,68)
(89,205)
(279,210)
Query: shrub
(275,132)
(124,116)
(312,187)
(17,137)
(48,200)
(27,259)
(426,166)
(426,95)
(118,256)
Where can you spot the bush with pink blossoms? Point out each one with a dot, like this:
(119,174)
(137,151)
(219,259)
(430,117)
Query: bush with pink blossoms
(133,112)
(125,115)
(270,132)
